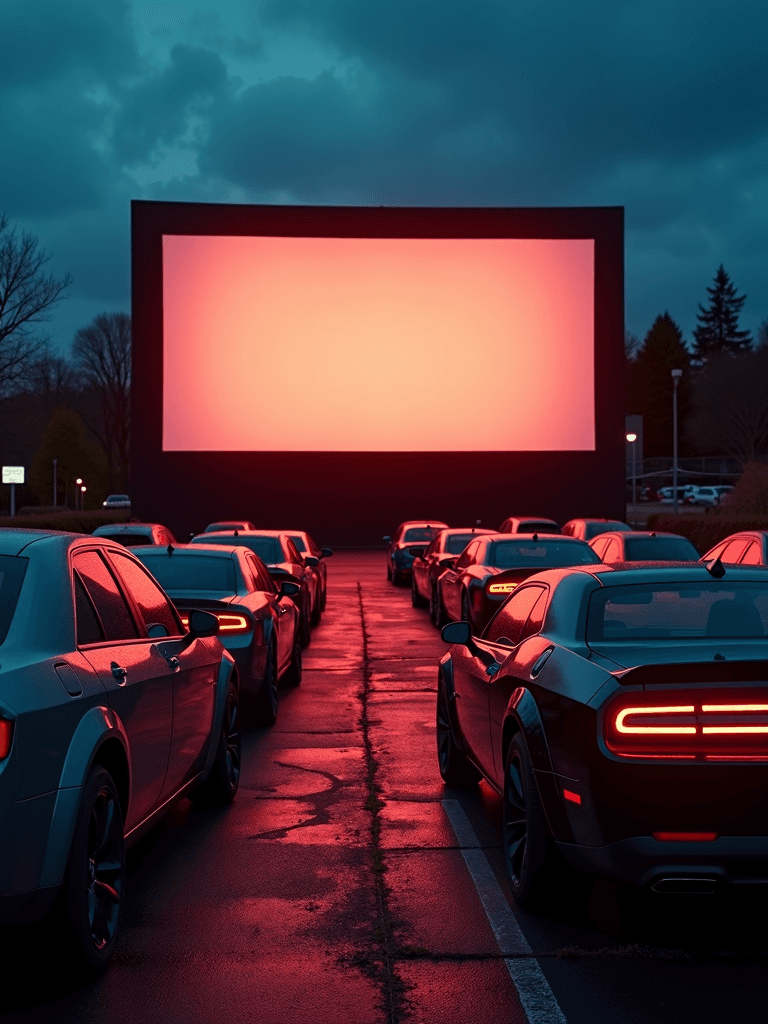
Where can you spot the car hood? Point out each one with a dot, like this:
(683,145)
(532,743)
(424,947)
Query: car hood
(656,652)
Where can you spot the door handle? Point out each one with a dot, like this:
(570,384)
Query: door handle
(173,664)
(119,673)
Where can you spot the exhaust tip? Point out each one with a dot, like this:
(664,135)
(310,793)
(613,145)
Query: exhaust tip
(695,886)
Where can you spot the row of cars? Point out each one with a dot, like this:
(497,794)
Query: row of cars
(621,712)
(124,660)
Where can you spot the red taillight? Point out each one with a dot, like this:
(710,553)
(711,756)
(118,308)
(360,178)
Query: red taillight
(691,726)
(569,795)
(228,623)
(501,588)
(6,733)
(685,837)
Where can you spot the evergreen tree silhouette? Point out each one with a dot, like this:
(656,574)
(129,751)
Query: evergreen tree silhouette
(718,329)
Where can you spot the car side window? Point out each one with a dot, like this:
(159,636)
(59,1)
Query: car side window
(717,552)
(599,547)
(517,609)
(752,556)
(536,617)
(153,604)
(261,577)
(612,552)
(467,556)
(88,627)
(290,550)
(105,596)
(733,550)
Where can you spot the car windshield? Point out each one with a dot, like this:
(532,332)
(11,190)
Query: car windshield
(687,611)
(298,540)
(130,540)
(117,497)
(218,527)
(660,549)
(546,554)
(455,543)
(595,529)
(267,548)
(12,570)
(185,571)
(422,532)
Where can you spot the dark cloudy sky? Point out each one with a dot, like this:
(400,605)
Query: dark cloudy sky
(657,105)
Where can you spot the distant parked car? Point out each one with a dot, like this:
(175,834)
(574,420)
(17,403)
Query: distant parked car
(665,495)
(412,535)
(586,529)
(132,535)
(749,547)
(306,546)
(117,501)
(643,546)
(529,524)
(229,524)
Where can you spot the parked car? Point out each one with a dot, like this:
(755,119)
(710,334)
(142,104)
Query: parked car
(117,501)
(750,547)
(666,494)
(306,546)
(109,709)
(708,496)
(132,535)
(415,533)
(621,715)
(258,621)
(229,524)
(643,546)
(278,553)
(586,529)
(529,524)
(491,567)
(430,562)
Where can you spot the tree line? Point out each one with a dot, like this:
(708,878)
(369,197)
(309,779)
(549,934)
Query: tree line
(75,410)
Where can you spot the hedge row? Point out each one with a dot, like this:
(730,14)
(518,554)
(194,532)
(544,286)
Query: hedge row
(73,522)
(706,531)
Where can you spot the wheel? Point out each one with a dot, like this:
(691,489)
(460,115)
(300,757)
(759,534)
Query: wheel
(317,612)
(221,785)
(466,614)
(293,673)
(529,852)
(94,880)
(265,702)
(436,610)
(305,628)
(324,598)
(416,599)
(455,768)
(389,571)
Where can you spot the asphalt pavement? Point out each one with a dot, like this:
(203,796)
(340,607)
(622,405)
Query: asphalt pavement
(347,884)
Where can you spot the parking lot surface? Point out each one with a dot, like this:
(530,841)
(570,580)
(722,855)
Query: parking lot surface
(347,884)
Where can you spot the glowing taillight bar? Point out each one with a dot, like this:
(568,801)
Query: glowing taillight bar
(6,732)
(501,588)
(228,623)
(685,837)
(656,730)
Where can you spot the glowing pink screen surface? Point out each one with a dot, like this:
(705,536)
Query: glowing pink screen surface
(369,344)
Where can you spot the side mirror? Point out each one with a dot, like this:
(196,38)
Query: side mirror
(201,624)
(326,552)
(387,540)
(311,561)
(457,633)
(288,589)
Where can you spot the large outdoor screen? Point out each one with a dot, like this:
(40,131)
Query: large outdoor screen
(362,344)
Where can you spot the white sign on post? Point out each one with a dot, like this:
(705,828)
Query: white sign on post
(13,474)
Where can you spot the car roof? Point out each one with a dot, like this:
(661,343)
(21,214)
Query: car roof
(592,519)
(158,550)
(423,522)
(245,533)
(479,530)
(638,533)
(121,527)
(525,538)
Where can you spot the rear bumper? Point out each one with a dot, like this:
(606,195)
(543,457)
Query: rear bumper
(643,861)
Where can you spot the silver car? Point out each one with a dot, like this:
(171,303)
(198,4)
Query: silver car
(94,659)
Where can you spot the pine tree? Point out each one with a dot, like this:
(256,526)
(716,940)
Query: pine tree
(718,329)
(650,384)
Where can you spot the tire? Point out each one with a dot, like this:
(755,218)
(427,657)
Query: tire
(530,857)
(466,613)
(294,671)
(416,599)
(305,628)
(389,571)
(265,701)
(397,578)
(436,610)
(324,598)
(221,785)
(455,768)
(317,611)
(90,902)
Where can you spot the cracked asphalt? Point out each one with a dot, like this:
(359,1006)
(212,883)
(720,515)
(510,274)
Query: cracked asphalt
(335,888)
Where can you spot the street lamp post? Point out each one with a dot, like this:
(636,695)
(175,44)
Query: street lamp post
(82,497)
(79,483)
(676,375)
(632,438)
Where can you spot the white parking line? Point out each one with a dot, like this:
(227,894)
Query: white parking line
(533,989)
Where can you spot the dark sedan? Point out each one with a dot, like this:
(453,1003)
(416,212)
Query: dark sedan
(258,621)
(306,546)
(491,567)
(429,564)
(643,546)
(623,715)
(747,548)
(278,553)
(109,709)
(587,529)
(415,533)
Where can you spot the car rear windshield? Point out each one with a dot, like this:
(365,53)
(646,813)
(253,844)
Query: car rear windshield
(660,549)
(686,611)
(12,570)
(267,548)
(181,571)
(538,528)
(455,543)
(422,532)
(595,529)
(547,554)
(129,540)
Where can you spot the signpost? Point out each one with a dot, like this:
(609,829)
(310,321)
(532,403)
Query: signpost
(13,475)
